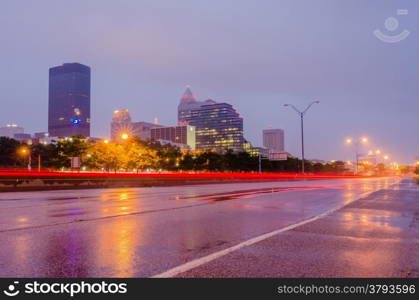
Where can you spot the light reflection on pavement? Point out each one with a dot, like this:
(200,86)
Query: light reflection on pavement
(139,232)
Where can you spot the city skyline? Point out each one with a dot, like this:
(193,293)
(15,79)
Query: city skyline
(365,90)
(274,140)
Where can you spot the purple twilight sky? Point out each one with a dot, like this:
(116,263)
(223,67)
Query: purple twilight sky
(256,55)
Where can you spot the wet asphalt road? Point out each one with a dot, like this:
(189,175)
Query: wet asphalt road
(143,232)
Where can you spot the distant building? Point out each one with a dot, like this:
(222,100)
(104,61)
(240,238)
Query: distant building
(218,126)
(143,130)
(247,146)
(122,124)
(187,103)
(41,135)
(256,151)
(181,134)
(22,136)
(273,139)
(47,140)
(177,145)
(69,100)
(10,130)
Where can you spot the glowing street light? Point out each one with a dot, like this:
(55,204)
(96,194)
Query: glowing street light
(124,136)
(350,141)
(25,151)
(362,140)
(106,141)
(301,114)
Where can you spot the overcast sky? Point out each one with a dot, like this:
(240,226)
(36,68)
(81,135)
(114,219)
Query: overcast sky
(256,55)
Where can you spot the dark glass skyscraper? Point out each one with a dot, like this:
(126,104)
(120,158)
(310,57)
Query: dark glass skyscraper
(69,100)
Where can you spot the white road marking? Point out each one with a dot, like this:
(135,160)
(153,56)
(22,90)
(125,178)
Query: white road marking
(206,259)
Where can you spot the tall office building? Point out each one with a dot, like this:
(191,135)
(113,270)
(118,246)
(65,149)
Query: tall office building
(69,100)
(187,103)
(273,139)
(181,134)
(218,127)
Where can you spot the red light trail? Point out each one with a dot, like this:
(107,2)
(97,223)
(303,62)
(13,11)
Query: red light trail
(214,175)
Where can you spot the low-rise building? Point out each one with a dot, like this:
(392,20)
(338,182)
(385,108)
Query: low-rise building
(10,130)
(256,151)
(180,134)
(22,136)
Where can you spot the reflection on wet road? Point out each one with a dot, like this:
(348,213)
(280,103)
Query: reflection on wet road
(139,232)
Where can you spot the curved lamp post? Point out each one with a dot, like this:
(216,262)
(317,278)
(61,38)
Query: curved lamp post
(301,114)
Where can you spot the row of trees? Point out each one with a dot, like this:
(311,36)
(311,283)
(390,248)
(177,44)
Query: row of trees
(138,155)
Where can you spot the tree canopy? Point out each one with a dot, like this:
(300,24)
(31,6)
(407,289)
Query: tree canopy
(137,155)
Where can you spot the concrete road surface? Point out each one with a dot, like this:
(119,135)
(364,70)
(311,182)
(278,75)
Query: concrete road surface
(344,227)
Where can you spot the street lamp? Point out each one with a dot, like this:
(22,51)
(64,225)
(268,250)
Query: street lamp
(124,136)
(301,114)
(350,141)
(25,151)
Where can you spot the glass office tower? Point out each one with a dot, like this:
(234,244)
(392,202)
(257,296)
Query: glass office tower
(218,127)
(187,103)
(69,100)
